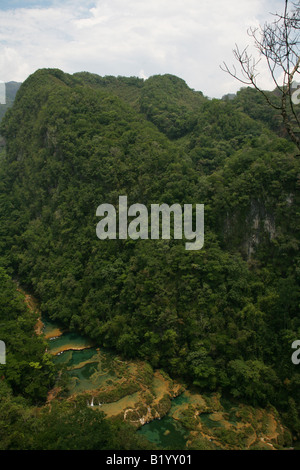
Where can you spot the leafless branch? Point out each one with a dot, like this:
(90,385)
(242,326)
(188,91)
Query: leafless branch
(278,44)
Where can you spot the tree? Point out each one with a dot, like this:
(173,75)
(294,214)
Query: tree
(278,43)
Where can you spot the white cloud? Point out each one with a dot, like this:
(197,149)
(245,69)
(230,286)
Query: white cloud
(188,38)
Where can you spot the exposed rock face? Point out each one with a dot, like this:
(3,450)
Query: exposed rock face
(261,223)
(253,225)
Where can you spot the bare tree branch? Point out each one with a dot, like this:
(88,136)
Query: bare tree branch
(278,43)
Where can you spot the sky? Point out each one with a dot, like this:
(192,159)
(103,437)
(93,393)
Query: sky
(187,38)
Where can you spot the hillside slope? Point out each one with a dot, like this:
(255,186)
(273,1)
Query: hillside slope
(223,317)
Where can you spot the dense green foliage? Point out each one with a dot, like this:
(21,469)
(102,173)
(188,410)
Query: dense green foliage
(23,427)
(224,317)
(25,380)
(29,370)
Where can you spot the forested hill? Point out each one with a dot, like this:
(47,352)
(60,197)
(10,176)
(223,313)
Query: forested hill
(223,317)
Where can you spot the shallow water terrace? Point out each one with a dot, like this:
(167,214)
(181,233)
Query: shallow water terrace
(166,413)
(88,367)
(91,368)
